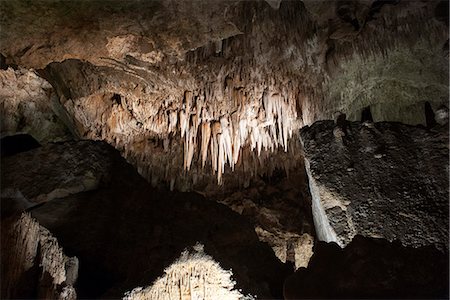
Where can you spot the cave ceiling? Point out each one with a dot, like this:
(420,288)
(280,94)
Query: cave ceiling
(186,90)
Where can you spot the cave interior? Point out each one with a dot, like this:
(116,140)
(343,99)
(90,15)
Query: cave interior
(270,149)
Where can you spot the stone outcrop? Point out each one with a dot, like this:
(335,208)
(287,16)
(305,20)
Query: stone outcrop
(124,232)
(279,206)
(371,268)
(81,172)
(29,105)
(381,180)
(33,265)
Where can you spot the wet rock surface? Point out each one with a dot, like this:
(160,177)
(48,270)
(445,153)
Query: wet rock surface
(125,233)
(371,268)
(385,180)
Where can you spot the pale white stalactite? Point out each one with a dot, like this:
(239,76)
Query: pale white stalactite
(226,139)
(173,120)
(206,136)
(216,130)
(220,160)
(183,123)
(218,122)
(236,145)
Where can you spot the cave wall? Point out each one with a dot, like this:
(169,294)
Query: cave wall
(381,180)
(371,268)
(28,105)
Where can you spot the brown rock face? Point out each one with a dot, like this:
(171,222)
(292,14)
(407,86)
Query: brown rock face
(279,207)
(381,180)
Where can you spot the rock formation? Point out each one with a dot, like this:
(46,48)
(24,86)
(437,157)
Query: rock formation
(131,131)
(27,105)
(108,234)
(381,180)
(33,263)
(194,275)
(211,82)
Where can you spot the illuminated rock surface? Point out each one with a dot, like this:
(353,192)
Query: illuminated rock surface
(210,82)
(206,100)
(194,275)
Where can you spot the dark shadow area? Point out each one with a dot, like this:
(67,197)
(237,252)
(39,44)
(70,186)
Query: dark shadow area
(125,233)
(116,99)
(366,115)
(429,115)
(14,144)
(371,268)
(3,65)
(442,12)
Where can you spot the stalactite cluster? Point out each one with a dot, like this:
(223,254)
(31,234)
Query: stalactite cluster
(255,88)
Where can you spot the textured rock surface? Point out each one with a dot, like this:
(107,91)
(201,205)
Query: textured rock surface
(35,176)
(279,207)
(27,105)
(385,180)
(210,82)
(33,265)
(371,269)
(132,232)
(195,275)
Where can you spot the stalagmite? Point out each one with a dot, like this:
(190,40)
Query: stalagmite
(195,275)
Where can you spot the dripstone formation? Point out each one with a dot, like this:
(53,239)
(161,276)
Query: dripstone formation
(175,149)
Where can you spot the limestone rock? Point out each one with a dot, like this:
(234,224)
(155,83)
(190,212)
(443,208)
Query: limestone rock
(279,206)
(212,81)
(27,105)
(386,180)
(33,263)
(195,275)
(78,171)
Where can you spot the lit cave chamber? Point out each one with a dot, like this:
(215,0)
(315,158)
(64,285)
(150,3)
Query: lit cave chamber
(271,149)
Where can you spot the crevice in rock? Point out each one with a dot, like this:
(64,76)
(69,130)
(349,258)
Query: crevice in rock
(3,65)
(14,144)
(366,115)
(117,99)
(429,115)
